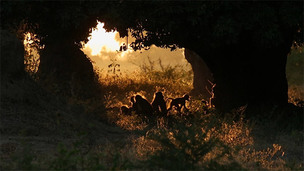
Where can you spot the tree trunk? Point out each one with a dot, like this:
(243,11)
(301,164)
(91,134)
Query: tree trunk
(12,56)
(245,74)
(202,74)
(62,63)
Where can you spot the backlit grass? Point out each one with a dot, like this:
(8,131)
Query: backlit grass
(189,140)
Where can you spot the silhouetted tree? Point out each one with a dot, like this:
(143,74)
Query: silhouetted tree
(245,44)
(61,27)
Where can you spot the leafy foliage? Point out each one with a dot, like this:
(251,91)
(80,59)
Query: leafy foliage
(212,24)
(193,139)
(232,37)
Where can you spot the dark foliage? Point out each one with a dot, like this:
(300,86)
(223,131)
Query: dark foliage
(245,44)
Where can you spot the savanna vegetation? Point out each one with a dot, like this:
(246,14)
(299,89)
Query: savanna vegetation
(58,112)
(43,131)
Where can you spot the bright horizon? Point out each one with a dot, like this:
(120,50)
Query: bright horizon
(100,40)
(103,48)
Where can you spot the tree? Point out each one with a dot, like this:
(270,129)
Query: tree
(245,44)
(61,27)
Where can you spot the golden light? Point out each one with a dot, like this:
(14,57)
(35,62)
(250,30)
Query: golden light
(107,48)
(31,56)
(102,41)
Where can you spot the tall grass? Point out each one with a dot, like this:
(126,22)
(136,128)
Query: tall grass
(195,139)
(190,140)
(200,142)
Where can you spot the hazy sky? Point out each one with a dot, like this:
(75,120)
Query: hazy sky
(103,48)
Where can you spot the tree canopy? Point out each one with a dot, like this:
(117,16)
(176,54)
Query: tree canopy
(207,23)
(183,23)
(244,43)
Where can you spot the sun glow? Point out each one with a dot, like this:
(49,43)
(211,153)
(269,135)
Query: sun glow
(102,41)
(31,55)
(107,49)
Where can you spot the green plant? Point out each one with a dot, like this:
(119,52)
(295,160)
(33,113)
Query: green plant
(190,145)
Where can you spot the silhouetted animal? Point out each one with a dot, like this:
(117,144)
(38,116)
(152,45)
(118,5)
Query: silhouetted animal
(125,110)
(142,106)
(159,104)
(179,103)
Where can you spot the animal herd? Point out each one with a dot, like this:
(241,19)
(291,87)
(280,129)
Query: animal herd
(141,106)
